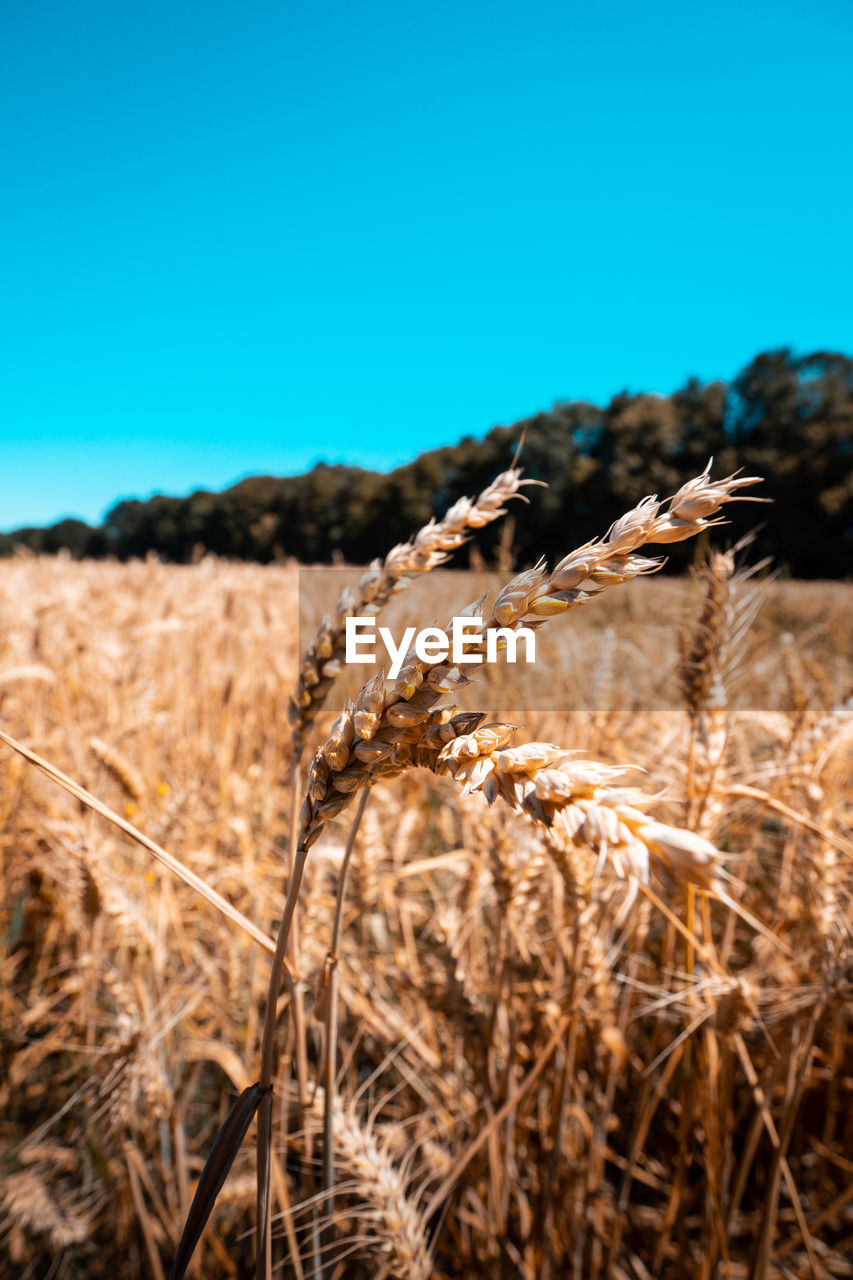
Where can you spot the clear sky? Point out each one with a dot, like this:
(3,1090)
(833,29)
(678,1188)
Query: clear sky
(240,238)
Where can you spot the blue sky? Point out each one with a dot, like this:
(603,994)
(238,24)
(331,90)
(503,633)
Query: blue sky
(241,238)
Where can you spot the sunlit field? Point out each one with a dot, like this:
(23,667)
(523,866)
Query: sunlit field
(542,1069)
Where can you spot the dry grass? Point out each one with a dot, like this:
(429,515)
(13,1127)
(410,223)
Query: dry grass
(533,1081)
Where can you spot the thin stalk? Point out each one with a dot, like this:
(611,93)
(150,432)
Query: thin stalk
(264,1242)
(345,864)
(797,1077)
(297,996)
(331,1023)
(328,1197)
(174,865)
(689,967)
(447,1185)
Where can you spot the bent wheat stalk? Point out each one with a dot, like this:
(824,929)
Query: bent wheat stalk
(173,864)
(575,801)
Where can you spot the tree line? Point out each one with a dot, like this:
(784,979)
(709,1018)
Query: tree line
(786,418)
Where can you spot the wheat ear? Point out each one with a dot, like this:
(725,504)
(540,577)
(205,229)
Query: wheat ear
(429,548)
(400,1239)
(579,802)
(382,733)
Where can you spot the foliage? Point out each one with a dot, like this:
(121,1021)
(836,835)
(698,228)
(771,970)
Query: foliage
(784,417)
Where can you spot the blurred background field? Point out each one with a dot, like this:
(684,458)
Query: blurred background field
(622,651)
(130,1010)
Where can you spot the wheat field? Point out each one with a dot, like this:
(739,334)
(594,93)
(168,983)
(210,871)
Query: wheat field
(543,1069)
